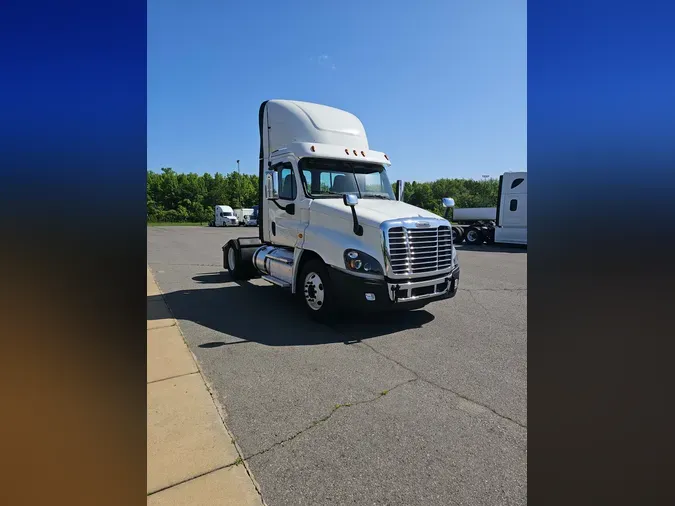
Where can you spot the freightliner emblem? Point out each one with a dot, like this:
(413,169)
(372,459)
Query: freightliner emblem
(422,224)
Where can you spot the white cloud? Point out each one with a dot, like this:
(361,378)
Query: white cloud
(323,60)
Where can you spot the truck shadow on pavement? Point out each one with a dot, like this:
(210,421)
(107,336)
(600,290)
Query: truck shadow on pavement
(243,312)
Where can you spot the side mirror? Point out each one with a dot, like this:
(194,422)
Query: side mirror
(448,202)
(271,185)
(350,199)
(399,190)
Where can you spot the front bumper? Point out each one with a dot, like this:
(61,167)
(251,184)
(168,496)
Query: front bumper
(386,294)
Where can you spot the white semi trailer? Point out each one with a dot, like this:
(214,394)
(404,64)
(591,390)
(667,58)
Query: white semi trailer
(329,226)
(244,216)
(506,223)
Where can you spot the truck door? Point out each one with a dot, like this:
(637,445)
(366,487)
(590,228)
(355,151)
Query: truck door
(284,228)
(514,202)
(515,211)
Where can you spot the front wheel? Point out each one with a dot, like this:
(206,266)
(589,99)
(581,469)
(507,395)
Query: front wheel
(317,291)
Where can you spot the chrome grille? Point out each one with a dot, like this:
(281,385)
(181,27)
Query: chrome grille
(415,251)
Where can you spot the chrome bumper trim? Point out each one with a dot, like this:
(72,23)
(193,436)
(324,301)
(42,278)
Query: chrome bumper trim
(392,287)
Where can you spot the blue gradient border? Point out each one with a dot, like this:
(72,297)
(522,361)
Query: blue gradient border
(601,153)
(72,194)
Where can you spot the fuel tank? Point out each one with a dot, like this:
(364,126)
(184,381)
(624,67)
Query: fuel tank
(275,262)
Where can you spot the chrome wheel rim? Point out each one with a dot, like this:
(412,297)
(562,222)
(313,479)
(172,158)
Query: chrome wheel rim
(230,259)
(472,236)
(314,291)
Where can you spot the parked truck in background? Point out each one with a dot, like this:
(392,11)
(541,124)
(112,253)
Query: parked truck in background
(506,223)
(253,219)
(244,216)
(224,217)
(329,226)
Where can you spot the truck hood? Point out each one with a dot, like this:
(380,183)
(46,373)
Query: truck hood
(371,212)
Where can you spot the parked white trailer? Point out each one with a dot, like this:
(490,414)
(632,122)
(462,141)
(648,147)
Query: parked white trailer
(329,226)
(506,223)
(474,214)
(224,217)
(244,216)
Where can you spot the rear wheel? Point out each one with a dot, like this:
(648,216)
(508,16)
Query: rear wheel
(316,291)
(457,235)
(234,263)
(474,236)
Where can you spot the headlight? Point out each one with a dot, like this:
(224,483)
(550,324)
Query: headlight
(358,261)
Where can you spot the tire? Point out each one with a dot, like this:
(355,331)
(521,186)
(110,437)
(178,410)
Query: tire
(474,236)
(458,235)
(238,271)
(316,291)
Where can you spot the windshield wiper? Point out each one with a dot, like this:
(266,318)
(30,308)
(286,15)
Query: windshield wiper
(385,197)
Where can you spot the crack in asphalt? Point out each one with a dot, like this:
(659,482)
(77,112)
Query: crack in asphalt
(441,387)
(487,312)
(318,422)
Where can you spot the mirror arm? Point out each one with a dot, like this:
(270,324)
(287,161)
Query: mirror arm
(283,208)
(289,208)
(358,229)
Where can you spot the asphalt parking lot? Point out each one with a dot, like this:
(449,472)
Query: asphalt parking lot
(423,407)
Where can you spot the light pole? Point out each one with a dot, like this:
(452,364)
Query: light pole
(241,205)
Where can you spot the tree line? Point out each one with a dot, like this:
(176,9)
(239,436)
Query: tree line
(173,197)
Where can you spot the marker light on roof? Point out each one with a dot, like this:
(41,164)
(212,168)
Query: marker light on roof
(362,153)
(313,149)
(355,153)
(346,151)
(386,157)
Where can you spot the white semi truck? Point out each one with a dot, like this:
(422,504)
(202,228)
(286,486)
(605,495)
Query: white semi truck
(506,223)
(225,217)
(329,226)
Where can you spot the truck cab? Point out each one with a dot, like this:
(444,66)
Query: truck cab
(329,226)
(225,217)
(512,209)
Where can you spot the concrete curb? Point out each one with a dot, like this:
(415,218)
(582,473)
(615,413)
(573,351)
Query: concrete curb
(173,480)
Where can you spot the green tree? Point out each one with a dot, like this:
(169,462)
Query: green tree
(192,197)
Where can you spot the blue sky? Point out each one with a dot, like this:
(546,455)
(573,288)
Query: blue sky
(440,86)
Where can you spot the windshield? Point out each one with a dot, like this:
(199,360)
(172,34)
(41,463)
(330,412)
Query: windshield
(333,178)
(226,213)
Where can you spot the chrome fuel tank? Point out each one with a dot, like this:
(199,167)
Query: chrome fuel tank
(275,262)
